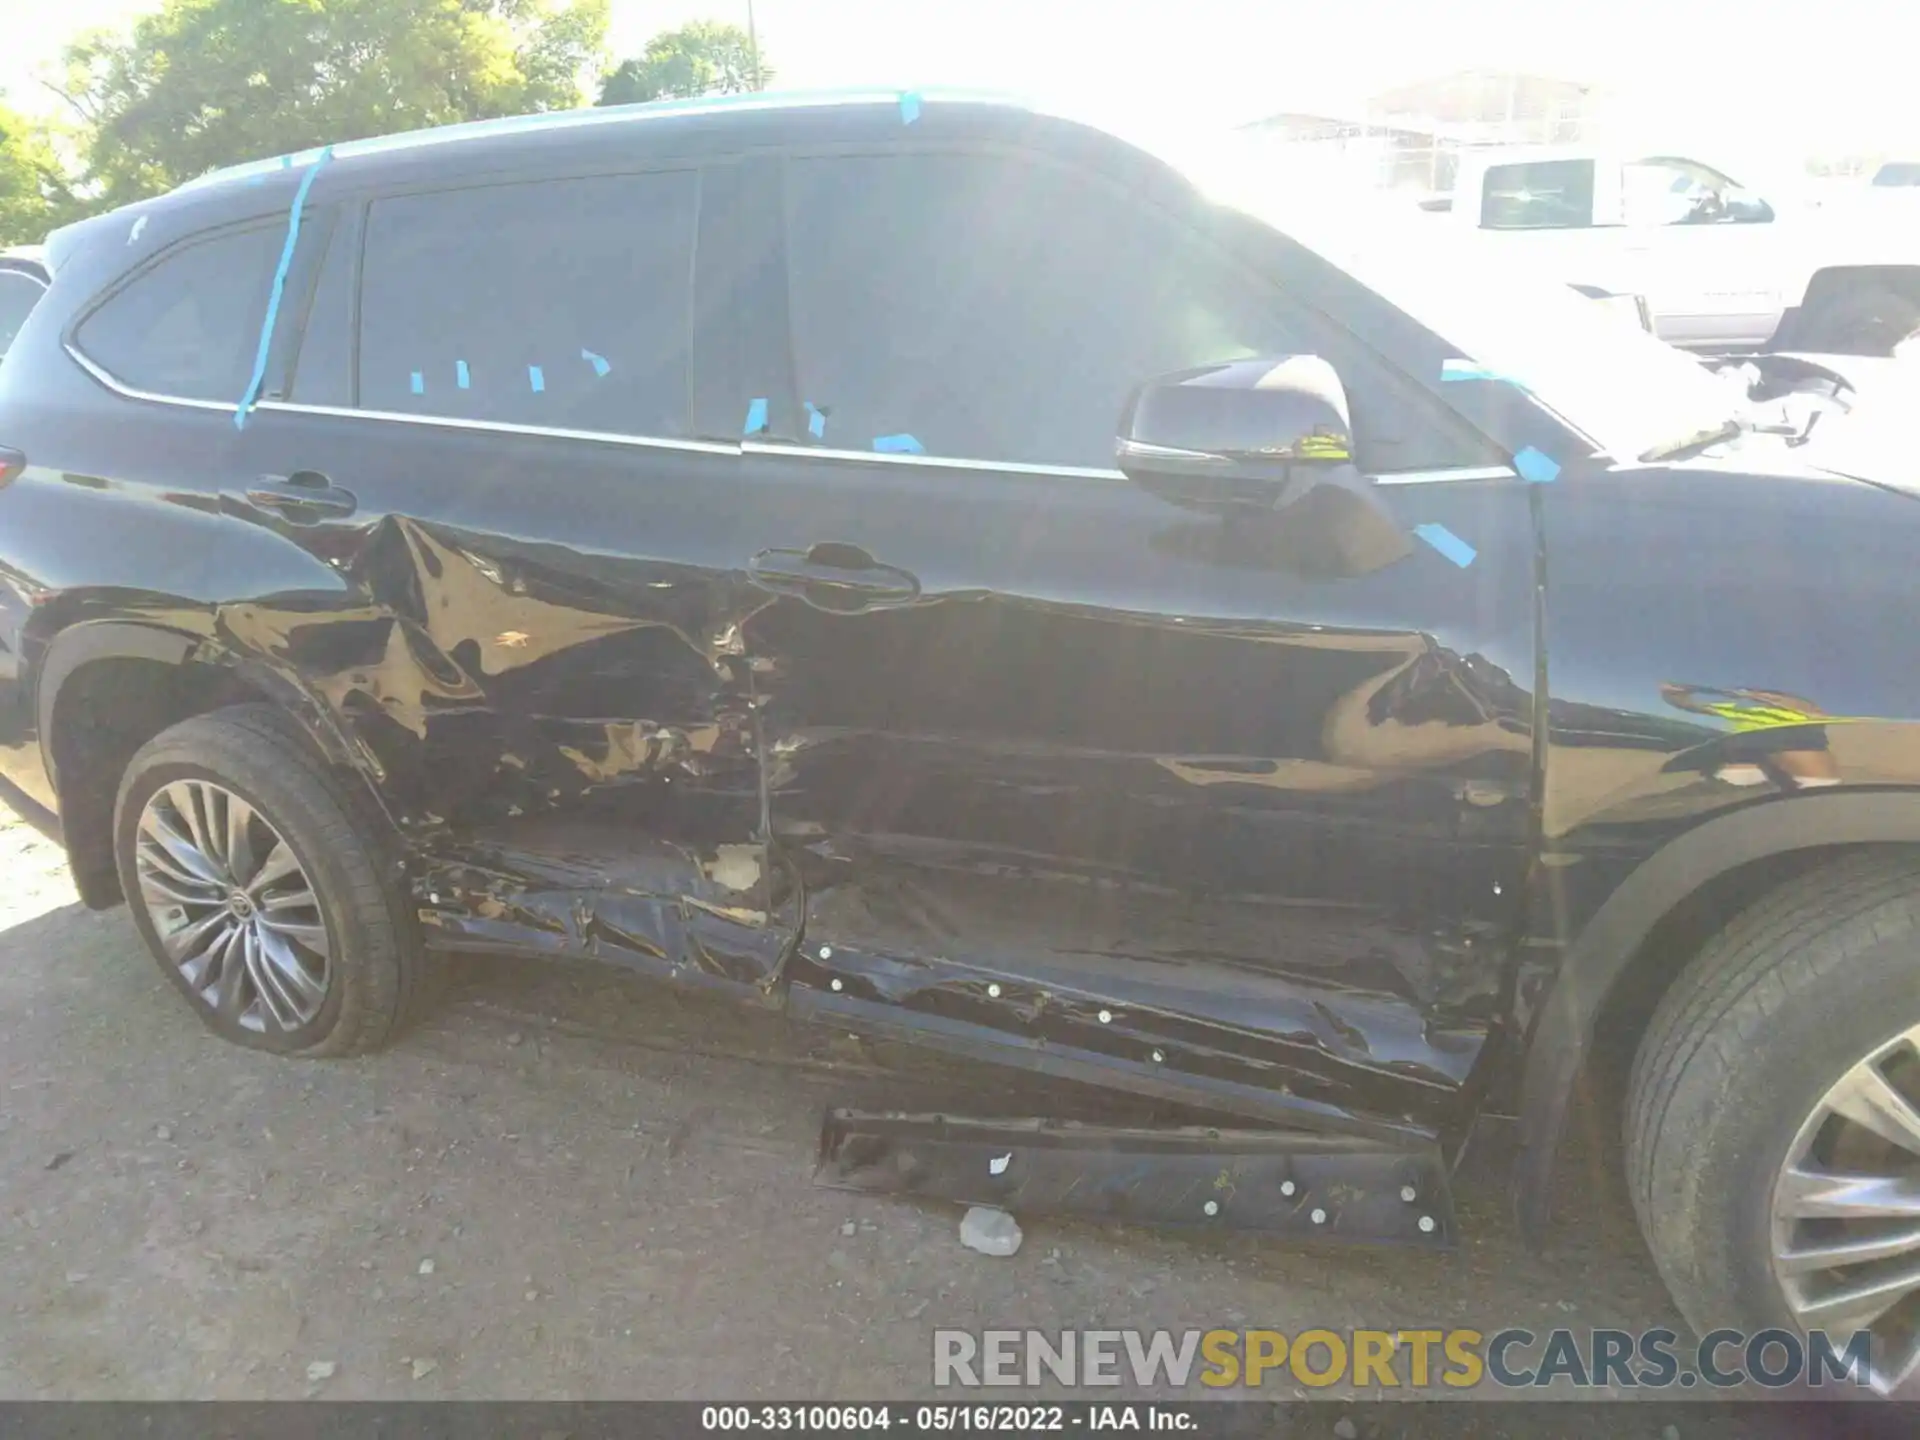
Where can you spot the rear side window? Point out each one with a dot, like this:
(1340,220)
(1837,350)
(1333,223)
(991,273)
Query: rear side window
(189,325)
(560,303)
(998,309)
(1537,195)
(19,293)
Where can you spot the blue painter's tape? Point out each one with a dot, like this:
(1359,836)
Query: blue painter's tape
(279,288)
(1447,543)
(419,383)
(898,445)
(756,417)
(1536,467)
(816,420)
(1468,370)
(460,375)
(536,379)
(600,365)
(909,107)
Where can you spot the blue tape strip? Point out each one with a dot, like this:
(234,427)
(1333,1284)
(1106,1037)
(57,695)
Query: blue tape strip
(909,107)
(1468,370)
(756,417)
(816,420)
(898,445)
(419,383)
(536,379)
(1535,467)
(1447,543)
(460,375)
(600,365)
(279,287)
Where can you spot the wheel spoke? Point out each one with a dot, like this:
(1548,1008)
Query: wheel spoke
(179,849)
(270,982)
(1847,1308)
(310,934)
(1815,1195)
(186,800)
(1805,1258)
(239,838)
(229,995)
(191,942)
(280,957)
(278,865)
(171,891)
(1867,1098)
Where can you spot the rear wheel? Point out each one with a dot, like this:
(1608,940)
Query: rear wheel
(1860,319)
(260,891)
(1773,1117)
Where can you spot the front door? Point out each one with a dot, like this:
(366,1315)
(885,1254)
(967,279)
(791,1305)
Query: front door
(1070,772)
(524,600)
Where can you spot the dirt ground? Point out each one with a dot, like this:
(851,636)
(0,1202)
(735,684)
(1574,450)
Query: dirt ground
(572,1185)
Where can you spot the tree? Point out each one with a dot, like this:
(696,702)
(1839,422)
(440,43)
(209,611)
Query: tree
(35,195)
(206,83)
(706,57)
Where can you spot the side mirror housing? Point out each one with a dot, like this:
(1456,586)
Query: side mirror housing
(1267,437)
(1248,435)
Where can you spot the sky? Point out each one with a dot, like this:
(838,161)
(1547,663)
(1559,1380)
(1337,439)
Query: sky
(1766,74)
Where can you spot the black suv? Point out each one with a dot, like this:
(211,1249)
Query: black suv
(695,538)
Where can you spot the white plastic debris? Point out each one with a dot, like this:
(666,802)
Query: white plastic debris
(319,1370)
(998,1164)
(426,1267)
(990,1231)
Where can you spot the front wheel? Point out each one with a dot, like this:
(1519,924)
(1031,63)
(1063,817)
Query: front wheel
(261,896)
(1773,1118)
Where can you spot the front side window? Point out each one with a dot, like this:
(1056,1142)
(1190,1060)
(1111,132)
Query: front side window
(189,326)
(554,303)
(1537,195)
(993,308)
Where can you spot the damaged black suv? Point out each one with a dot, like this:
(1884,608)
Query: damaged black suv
(696,538)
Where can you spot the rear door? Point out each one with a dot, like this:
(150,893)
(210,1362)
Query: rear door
(521,598)
(1074,772)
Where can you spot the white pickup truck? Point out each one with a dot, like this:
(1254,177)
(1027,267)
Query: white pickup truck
(1719,267)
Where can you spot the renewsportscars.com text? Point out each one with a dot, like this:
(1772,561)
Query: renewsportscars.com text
(1399,1359)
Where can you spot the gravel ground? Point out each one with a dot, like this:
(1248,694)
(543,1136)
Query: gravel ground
(572,1185)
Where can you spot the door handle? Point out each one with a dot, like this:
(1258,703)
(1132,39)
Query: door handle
(841,579)
(303,495)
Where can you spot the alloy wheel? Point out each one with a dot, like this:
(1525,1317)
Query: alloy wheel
(1846,1212)
(232,906)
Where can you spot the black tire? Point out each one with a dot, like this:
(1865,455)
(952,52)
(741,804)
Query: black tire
(1770,1014)
(379,977)
(1861,319)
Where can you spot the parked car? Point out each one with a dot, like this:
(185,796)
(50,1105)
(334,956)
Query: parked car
(1720,265)
(23,280)
(695,538)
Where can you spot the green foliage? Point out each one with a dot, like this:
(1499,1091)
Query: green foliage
(706,57)
(34,192)
(206,83)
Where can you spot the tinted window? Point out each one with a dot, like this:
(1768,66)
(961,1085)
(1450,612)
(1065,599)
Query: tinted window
(999,309)
(18,295)
(189,326)
(560,303)
(1538,194)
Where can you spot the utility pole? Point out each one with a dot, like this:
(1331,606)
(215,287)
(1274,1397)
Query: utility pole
(753,48)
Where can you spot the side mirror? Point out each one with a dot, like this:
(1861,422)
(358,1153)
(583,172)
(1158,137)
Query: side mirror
(1252,437)
(1252,434)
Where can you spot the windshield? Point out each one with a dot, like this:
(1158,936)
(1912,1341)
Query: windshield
(1628,392)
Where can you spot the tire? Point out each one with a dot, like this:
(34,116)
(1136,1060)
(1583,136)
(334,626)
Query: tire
(1861,319)
(362,975)
(1743,1049)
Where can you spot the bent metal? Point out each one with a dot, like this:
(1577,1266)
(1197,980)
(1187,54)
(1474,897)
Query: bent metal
(937,571)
